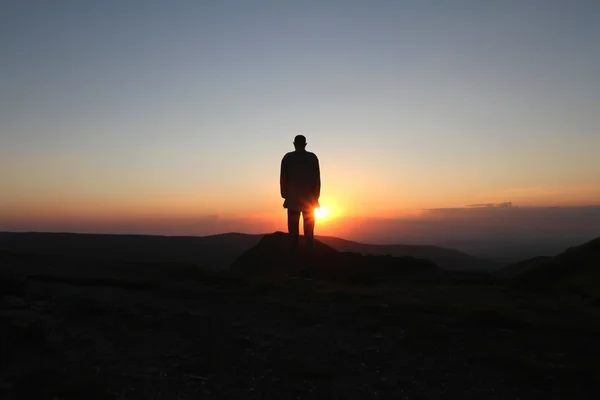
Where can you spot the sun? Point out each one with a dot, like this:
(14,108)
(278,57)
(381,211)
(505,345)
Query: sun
(321,212)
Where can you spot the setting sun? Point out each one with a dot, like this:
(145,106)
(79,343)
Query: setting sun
(321,212)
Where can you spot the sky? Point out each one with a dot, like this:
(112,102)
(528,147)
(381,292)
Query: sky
(172,117)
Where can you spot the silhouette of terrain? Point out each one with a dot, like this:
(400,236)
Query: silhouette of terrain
(271,257)
(445,258)
(215,251)
(508,249)
(517,268)
(73,327)
(577,270)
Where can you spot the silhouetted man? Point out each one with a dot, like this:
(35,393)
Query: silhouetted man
(300,183)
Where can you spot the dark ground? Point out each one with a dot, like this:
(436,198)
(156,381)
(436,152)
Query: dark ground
(182,333)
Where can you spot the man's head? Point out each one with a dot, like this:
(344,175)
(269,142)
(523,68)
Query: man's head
(300,142)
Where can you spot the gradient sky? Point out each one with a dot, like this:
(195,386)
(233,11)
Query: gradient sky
(182,110)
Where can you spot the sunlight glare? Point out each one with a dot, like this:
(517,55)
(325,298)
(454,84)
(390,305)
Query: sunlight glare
(321,212)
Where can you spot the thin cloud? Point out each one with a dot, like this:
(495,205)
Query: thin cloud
(506,204)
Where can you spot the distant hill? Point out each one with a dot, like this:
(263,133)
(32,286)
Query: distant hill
(445,258)
(270,258)
(577,270)
(215,251)
(518,268)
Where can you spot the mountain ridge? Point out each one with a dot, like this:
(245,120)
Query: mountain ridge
(446,258)
(213,251)
(573,270)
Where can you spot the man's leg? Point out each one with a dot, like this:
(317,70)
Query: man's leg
(294,229)
(308,217)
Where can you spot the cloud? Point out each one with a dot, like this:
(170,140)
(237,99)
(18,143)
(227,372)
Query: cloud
(507,204)
(571,195)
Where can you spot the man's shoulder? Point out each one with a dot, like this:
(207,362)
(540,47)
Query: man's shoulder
(299,156)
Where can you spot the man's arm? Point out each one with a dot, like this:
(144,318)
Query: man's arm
(317,179)
(283,182)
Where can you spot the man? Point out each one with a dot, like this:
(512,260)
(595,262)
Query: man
(300,184)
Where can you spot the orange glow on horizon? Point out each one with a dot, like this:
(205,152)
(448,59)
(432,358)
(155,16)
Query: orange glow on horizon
(343,213)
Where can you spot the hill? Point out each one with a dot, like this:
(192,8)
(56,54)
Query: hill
(270,257)
(520,267)
(445,258)
(575,270)
(215,251)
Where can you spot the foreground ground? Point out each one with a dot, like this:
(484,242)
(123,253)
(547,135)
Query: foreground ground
(187,334)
